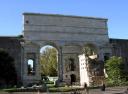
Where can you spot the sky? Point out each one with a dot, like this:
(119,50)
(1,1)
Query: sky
(116,11)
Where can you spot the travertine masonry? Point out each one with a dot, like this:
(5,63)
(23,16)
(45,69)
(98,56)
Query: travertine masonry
(68,34)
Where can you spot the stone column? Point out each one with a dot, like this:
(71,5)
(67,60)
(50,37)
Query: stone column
(22,60)
(100,54)
(31,52)
(60,64)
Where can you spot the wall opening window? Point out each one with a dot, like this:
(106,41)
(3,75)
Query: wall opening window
(31,69)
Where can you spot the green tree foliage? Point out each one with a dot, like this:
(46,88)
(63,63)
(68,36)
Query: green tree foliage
(115,68)
(7,70)
(48,62)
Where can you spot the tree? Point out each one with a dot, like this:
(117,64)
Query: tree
(89,49)
(7,69)
(48,61)
(114,67)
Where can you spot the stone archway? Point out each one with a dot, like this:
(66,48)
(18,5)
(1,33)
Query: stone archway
(59,55)
(68,34)
(49,60)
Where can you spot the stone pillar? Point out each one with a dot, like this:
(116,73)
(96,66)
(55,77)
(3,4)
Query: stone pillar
(22,61)
(60,64)
(100,54)
(68,69)
(31,52)
(35,77)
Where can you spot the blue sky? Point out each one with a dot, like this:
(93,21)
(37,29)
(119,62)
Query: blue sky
(11,22)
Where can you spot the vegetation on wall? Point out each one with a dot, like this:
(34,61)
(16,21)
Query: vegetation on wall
(48,61)
(89,49)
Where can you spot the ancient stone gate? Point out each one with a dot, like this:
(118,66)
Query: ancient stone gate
(68,34)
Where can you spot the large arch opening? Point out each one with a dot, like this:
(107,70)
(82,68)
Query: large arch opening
(49,63)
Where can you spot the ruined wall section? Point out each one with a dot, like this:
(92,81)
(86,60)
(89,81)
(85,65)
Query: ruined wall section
(120,48)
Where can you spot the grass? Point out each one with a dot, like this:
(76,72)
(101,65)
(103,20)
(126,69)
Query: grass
(50,85)
(49,82)
(51,88)
(8,89)
(63,89)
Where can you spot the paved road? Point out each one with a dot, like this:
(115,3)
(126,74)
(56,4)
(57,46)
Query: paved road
(113,90)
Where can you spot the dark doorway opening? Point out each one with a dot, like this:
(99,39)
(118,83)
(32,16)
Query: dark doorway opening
(73,78)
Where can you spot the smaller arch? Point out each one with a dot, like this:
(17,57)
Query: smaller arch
(31,66)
